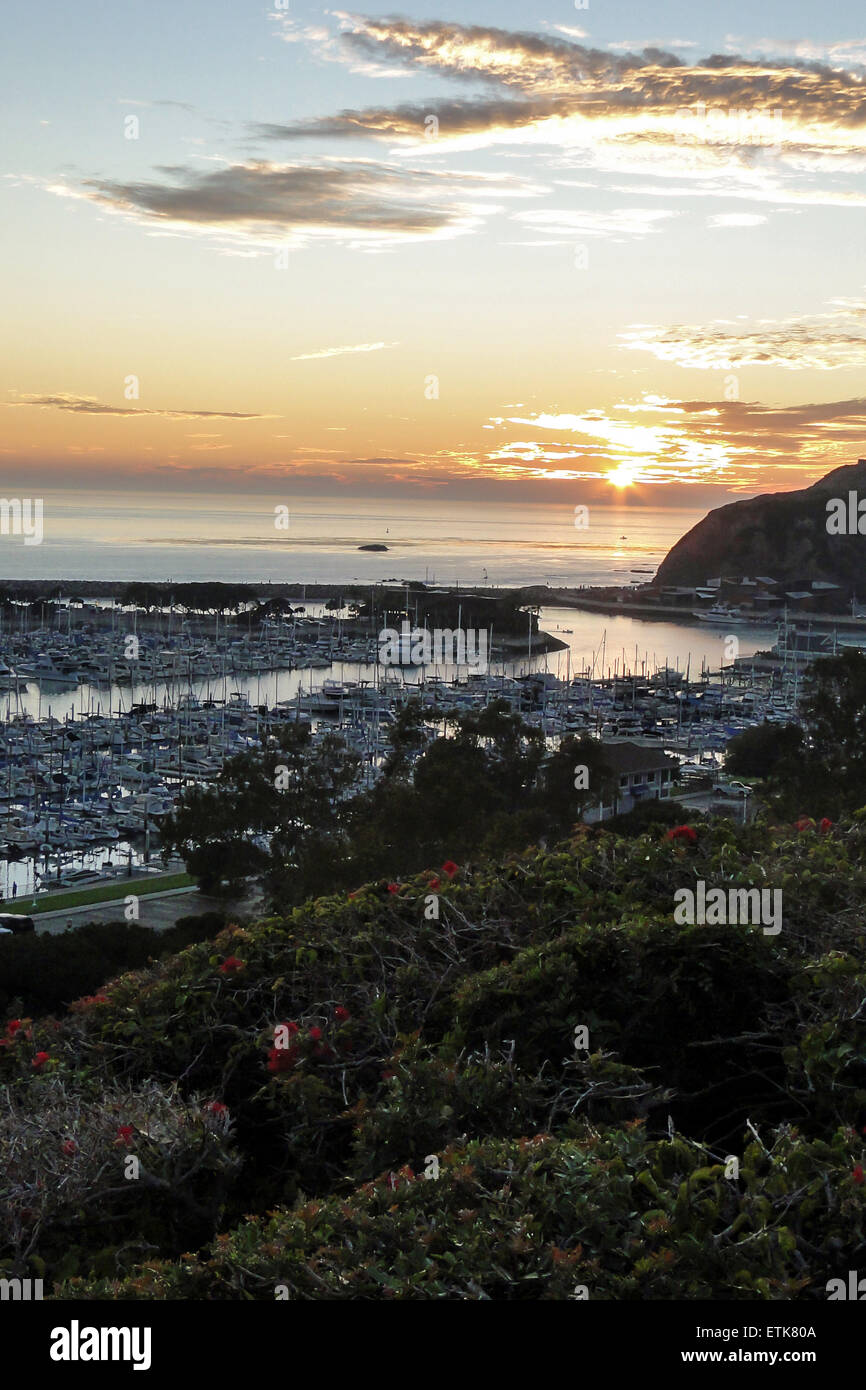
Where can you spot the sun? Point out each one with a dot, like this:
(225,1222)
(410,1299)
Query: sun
(623,475)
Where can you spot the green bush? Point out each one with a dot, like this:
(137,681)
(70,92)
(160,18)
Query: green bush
(40,974)
(612,1216)
(452,1036)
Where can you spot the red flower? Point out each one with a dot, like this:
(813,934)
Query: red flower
(290,1028)
(69,1147)
(393,888)
(341,1014)
(824,825)
(231,965)
(282,1058)
(315,1034)
(39,1060)
(683,832)
(124,1134)
(12,1026)
(804,823)
(405,1174)
(216,1107)
(857,1175)
(450,868)
(434,884)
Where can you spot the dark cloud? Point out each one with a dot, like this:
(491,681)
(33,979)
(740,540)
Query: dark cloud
(409,119)
(270,200)
(85,405)
(556,76)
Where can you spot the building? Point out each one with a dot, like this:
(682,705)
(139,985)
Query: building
(638,774)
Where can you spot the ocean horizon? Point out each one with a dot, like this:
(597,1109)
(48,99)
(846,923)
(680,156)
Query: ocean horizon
(194,536)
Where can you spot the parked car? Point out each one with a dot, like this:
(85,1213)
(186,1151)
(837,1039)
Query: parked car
(16,923)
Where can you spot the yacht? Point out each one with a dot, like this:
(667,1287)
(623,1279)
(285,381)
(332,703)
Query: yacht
(719,613)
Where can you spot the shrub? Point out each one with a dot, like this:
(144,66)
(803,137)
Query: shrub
(612,1216)
(40,974)
(410,1035)
(96,1174)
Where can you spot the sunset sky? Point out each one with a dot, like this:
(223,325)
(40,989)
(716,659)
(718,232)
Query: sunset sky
(485,250)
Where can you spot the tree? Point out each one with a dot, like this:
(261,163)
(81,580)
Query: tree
(405,738)
(575,776)
(291,793)
(824,774)
(758,752)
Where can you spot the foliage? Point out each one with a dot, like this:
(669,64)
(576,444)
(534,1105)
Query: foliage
(67,1185)
(825,767)
(759,751)
(650,813)
(611,1215)
(41,973)
(358,1036)
(491,788)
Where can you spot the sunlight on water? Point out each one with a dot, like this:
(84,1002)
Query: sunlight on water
(185,537)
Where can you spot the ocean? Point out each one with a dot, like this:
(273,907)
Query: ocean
(186,536)
(123,536)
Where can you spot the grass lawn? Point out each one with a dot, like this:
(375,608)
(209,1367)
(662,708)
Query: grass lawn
(100,893)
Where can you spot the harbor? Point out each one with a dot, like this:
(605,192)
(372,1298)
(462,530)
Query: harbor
(97,743)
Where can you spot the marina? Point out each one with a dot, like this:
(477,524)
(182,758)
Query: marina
(96,746)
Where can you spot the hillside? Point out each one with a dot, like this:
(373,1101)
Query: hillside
(782,535)
(359,1100)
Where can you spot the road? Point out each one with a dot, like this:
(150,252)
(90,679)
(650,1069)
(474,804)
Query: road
(156,910)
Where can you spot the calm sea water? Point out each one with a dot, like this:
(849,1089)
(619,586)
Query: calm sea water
(126,536)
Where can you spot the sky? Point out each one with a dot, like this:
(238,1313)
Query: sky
(463,252)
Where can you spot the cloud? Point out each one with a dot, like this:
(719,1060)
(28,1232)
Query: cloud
(568,223)
(758,118)
(360,201)
(696,451)
(736,219)
(132,101)
(639,45)
(410,121)
(88,405)
(724,125)
(659,441)
(578,76)
(837,52)
(339,351)
(820,342)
